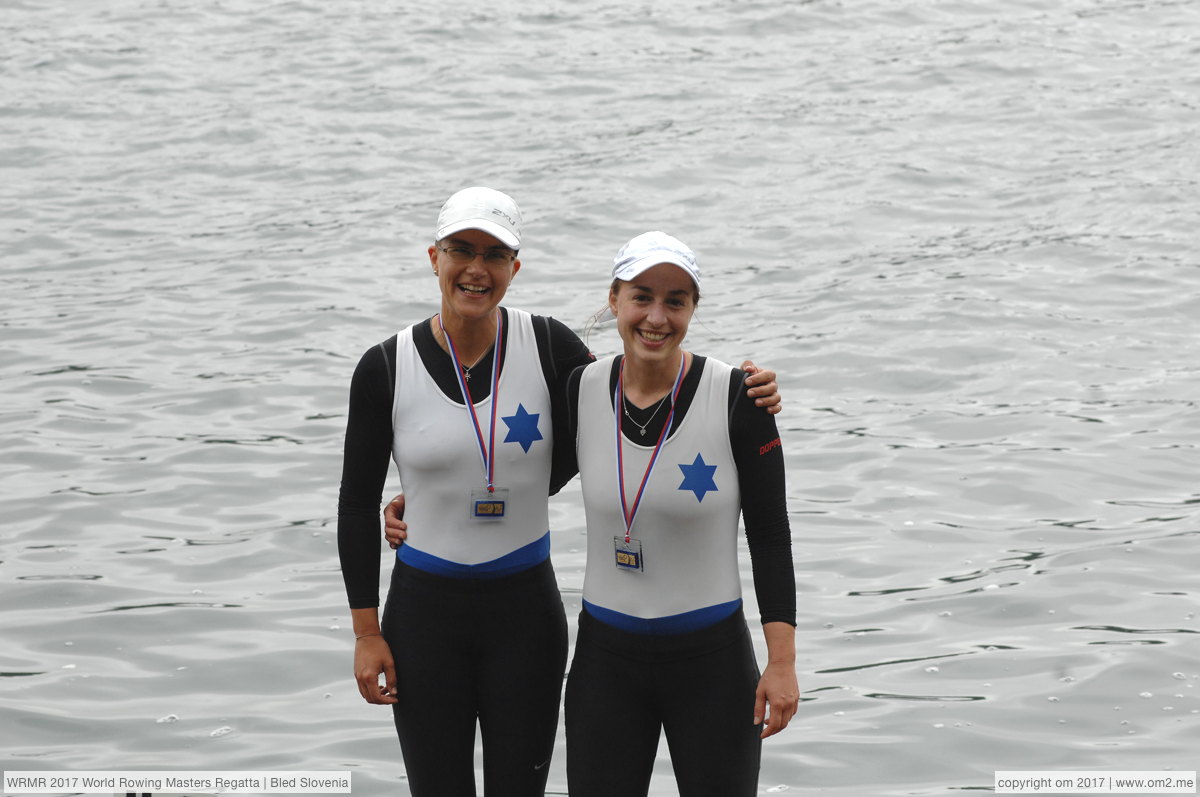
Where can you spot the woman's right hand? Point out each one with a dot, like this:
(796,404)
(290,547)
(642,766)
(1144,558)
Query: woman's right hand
(394,527)
(372,658)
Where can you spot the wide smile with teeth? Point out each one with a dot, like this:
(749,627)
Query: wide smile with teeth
(474,290)
(653,337)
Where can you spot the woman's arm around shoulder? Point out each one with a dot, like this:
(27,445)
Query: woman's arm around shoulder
(561,352)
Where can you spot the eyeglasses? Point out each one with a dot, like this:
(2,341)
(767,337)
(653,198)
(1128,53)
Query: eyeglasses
(492,257)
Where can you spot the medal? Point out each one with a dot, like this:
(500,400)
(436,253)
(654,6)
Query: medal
(627,554)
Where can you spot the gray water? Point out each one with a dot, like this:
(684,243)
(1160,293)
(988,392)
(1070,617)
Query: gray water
(962,232)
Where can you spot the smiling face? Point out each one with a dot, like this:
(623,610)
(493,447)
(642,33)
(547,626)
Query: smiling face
(472,290)
(653,312)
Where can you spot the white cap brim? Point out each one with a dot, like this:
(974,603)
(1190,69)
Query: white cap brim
(630,271)
(498,231)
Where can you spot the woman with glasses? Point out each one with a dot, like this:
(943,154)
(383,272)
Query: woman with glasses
(473,629)
(671,452)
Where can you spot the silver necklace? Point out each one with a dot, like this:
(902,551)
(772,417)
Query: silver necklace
(642,426)
(466,369)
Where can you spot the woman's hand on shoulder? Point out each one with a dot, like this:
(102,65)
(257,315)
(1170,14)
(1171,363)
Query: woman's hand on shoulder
(763,388)
(394,527)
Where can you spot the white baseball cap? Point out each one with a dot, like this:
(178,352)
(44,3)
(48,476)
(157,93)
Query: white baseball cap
(479,208)
(648,250)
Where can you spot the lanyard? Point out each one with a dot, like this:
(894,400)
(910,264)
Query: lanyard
(486,451)
(629,514)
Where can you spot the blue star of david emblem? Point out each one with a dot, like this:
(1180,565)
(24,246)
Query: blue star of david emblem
(698,477)
(522,427)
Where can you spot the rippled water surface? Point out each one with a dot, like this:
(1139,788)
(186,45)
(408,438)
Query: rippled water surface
(963,233)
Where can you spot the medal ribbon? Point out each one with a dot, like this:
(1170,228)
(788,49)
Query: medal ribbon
(630,514)
(486,451)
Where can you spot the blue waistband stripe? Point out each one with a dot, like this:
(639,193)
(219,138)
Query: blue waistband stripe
(522,558)
(671,624)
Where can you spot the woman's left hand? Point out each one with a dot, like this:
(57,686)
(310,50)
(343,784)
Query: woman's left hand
(763,388)
(778,689)
(394,527)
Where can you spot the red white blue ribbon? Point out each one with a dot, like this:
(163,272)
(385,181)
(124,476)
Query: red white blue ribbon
(486,450)
(630,513)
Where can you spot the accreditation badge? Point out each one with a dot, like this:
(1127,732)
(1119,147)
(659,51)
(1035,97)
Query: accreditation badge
(489,504)
(628,555)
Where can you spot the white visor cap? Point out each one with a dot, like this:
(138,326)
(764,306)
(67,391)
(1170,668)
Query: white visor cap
(479,208)
(648,250)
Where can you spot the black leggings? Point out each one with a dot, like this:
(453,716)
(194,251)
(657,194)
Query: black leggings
(699,687)
(467,649)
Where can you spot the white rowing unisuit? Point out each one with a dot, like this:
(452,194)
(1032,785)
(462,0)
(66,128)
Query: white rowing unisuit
(687,521)
(437,453)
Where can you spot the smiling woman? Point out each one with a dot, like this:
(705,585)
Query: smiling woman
(474,270)
(663,643)
(473,592)
(653,313)
(474,259)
